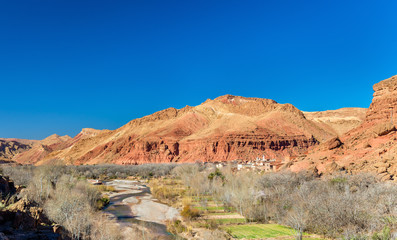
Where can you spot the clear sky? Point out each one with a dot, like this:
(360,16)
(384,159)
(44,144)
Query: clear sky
(71,64)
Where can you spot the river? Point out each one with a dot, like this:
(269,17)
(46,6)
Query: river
(133,203)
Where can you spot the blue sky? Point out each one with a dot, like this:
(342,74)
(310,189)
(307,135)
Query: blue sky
(66,64)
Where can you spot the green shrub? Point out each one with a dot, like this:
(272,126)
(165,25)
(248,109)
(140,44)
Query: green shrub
(211,224)
(216,174)
(337,180)
(175,227)
(385,235)
(103,202)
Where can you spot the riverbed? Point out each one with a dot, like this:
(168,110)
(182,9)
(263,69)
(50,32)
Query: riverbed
(133,203)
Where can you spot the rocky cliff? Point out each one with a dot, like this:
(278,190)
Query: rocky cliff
(384,102)
(21,218)
(370,147)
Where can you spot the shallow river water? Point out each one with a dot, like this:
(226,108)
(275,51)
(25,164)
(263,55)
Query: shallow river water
(133,203)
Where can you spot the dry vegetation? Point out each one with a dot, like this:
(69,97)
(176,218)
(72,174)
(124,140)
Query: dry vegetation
(167,190)
(66,200)
(338,206)
(70,201)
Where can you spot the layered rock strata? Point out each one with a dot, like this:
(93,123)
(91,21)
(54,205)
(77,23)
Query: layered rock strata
(370,147)
(226,128)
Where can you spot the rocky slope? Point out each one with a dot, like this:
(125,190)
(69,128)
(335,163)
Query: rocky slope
(30,151)
(10,148)
(21,218)
(370,147)
(338,121)
(226,128)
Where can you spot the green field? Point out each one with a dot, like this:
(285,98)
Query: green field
(260,231)
(252,231)
(221,213)
(226,221)
(210,208)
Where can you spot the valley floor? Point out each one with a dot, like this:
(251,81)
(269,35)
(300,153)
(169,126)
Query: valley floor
(214,216)
(132,203)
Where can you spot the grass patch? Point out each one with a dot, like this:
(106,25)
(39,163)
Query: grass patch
(261,231)
(252,231)
(201,198)
(221,213)
(105,188)
(226,221)
(210,208)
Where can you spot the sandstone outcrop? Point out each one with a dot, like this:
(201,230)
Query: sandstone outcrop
(382,129)
(384,102)
(25,220)
(333,143)
(21,218)
(370,147)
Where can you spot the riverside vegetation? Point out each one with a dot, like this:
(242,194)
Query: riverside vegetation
(338,206)
(71,202)
(220,203)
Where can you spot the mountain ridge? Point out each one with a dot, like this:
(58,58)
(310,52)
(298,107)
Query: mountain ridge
(225,128)
(222,129)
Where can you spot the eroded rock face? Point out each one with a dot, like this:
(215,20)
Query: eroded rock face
(334,143)
(384,102)
(8,149)
(30,151)
(338,121)
(229,147)
(25,220)
(27,214)
(383,128)
(370,147)
(21,218)
(226,128)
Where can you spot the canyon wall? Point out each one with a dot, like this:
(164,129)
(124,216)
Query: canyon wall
(369,147)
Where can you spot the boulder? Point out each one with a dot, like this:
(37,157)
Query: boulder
(334,143)
(7,187)
(384,128)
(27,214)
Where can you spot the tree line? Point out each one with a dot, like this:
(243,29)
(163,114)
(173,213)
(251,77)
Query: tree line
(341,206)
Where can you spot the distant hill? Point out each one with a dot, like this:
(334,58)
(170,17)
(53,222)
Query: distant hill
(29,151)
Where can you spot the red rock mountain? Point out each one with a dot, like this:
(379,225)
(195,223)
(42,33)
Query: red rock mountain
(226,128)
(371,146)
(10,148)
(29,151)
